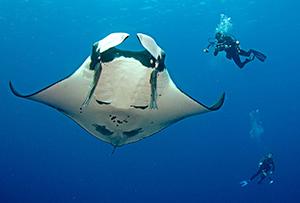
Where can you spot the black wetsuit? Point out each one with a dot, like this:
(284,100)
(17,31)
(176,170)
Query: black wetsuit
(233,50)
(267,164)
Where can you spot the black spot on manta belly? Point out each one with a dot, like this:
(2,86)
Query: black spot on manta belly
(115,119)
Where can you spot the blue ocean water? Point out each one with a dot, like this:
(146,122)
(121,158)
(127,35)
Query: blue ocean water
(46,157)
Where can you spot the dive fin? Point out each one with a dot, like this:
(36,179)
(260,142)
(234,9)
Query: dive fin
(244,183)
(260,56)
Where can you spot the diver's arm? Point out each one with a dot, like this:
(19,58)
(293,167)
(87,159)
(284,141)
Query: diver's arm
(216,51)
(211,44)
(273,166)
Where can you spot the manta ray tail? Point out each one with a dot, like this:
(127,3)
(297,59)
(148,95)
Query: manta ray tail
(113,151)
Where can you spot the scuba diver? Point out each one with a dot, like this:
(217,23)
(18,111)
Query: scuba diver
(230,45)
(265,165)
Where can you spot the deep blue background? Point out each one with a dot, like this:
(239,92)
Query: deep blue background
(46,157)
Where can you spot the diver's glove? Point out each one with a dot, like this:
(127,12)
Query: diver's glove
(206,50)
(271,172)
(244,183)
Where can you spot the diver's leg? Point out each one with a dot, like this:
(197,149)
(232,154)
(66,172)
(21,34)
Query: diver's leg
(256,174)
(245,53)
(262,177)
(238,62)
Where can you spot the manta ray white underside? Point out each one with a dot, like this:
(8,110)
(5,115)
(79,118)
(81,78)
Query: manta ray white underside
(121,96)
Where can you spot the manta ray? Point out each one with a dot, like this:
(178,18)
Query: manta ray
(121,96)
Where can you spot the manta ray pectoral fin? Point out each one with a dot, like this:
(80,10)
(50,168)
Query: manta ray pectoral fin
(150,45)
(14,91)
(218,103)
(110,41)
